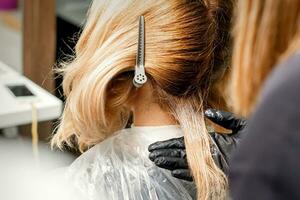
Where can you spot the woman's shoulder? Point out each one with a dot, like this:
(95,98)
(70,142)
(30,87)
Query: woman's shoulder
(276,117)
(271,148)
(285,79)
(278,106)
(120,168)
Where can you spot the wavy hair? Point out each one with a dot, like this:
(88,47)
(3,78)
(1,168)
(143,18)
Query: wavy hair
(266,31)
(186,48)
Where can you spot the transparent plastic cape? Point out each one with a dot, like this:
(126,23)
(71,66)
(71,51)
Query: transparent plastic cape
(119,169)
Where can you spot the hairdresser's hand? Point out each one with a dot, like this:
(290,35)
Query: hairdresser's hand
(170,154)
(225,143)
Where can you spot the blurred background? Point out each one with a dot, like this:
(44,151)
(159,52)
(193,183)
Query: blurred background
(35,35)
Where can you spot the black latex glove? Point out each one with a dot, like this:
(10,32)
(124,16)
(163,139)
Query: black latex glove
(171,155)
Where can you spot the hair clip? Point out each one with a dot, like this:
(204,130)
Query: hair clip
(140,77)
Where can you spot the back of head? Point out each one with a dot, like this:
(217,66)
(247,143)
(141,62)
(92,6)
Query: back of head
(185,51)
(266,32)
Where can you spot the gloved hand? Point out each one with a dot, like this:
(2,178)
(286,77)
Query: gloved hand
(171,154)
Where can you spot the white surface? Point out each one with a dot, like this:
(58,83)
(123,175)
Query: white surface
(23,177)
(16,111)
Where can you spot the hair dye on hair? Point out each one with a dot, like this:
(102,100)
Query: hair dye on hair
(186,46)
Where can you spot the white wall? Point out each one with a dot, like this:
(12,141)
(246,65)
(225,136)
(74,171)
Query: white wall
(11,40)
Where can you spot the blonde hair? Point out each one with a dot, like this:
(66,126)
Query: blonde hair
(266,31)
(185,53)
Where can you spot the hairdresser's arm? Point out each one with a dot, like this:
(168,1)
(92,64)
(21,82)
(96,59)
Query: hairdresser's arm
(170,154)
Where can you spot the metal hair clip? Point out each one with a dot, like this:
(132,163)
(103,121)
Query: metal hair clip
(140,77)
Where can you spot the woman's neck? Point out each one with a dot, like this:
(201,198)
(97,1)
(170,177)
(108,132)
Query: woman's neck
(152,115)
(148,113)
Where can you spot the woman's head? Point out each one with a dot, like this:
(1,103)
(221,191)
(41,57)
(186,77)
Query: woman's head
(265,32)
(185,49)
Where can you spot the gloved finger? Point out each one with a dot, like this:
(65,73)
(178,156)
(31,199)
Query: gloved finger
(175,143)
(171,163)
(225,119)
(177,153)
(184,174)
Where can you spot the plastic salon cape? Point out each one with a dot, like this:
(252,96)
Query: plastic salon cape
(119,169)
